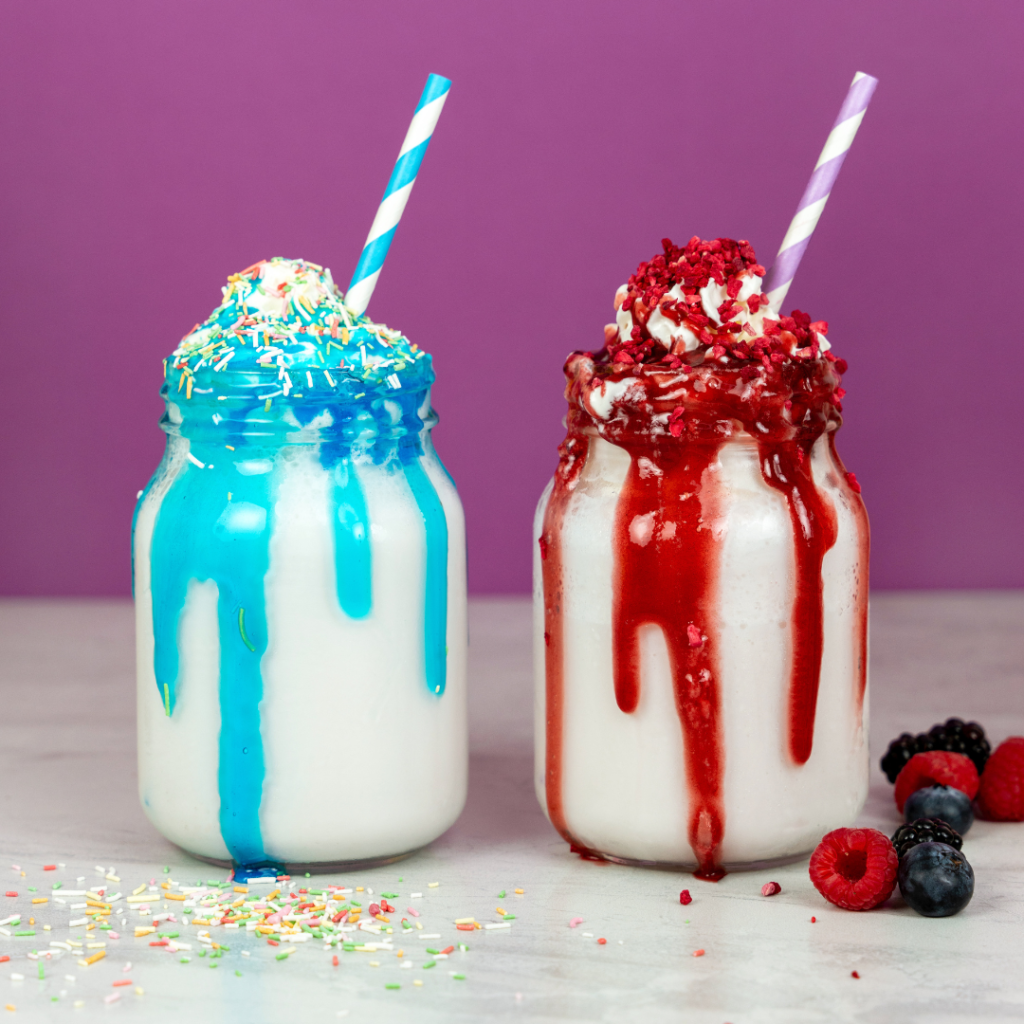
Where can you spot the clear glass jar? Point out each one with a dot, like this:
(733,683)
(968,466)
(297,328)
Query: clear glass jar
(700,624)
(300,591)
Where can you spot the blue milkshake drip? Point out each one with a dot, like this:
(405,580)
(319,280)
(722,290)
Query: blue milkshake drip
(267,370)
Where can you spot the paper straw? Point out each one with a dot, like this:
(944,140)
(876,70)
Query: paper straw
(396,195)
(780,277)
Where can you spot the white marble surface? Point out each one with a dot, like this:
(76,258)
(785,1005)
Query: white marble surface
(68,795)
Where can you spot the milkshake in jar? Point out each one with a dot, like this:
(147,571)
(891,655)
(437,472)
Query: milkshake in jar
(701,581)
(299,570)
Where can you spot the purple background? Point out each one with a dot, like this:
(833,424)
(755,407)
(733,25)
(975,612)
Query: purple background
(147,150)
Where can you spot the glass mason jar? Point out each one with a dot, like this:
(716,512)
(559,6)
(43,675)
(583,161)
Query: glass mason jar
(300,590)
(701,577)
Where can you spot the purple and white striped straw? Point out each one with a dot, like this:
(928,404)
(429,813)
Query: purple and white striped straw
(780,277)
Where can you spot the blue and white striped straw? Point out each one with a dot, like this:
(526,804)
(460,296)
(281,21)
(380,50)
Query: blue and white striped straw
(780,277)
(396,195)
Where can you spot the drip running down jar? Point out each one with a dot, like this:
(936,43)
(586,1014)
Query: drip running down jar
(299,565)
(701,574)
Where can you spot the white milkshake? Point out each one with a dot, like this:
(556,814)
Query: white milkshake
(300,589)
(701,581)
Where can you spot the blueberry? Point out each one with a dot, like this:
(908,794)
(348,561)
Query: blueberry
(935,879)
(953,806)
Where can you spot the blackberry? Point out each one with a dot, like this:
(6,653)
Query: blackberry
(955,735)
(925,830)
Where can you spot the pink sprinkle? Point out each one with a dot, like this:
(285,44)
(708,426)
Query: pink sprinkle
(415,913)
(575,921)
(112,998)
(770,888)
(127,967)
(274,918)
(113,935)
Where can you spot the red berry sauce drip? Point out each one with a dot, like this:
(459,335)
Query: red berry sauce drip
(572,456)
(672,422)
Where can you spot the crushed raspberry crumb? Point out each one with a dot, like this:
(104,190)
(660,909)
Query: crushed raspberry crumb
(693,635)
(936,768)
(854,974)
(851,479)
(855,868)
(770,889)
(1001,796)
(685,897)
(688,269)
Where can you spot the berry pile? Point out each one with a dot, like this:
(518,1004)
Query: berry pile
(955,735)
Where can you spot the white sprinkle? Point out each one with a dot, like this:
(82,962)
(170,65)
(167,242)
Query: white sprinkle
(503,924)
(17,977)
(77,922)
(416,896)
(195,461)
(430,935)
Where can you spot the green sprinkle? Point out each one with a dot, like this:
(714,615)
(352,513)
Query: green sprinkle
(228,948)
(167,869)
(214,965)
(54,999)
(202,952)
(308,875)
(26,933)
(459,977)
(238,974)
(241,630)
(348,947)
(393,985)
(501,895)
(430,963)
(281,956)
(167,700)
(509,917)
(354,904)
(185,960)
(104,927)
(57,885)
(390,895)
(41,974)
(401,879)
(32,888)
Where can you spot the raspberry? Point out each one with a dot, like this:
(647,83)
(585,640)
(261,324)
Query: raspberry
(855,868)
(936,768)
(1001,797)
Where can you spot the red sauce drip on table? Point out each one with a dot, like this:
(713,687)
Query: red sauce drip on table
(667,550)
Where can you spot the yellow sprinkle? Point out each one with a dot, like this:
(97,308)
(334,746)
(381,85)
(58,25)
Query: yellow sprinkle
(519,892)
(374,963)
(139,990)
(465,920)
(46,927)
(498,910)
(72,942)
(135,892)
(266,405)
(140,931)
(400,953)
(40,899)
(95,945)
(112,878)
(188,388)
(32,920)
(181,379)
(231,448)
(95,957)
(420,926)
(416,981)
(359,888)
(174,896)
(433,885)
(241,888)
(95,903)
(79,1003)
(12,1007)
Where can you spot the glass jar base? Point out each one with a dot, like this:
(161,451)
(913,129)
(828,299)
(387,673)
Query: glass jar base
(691,868)
(318,868)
